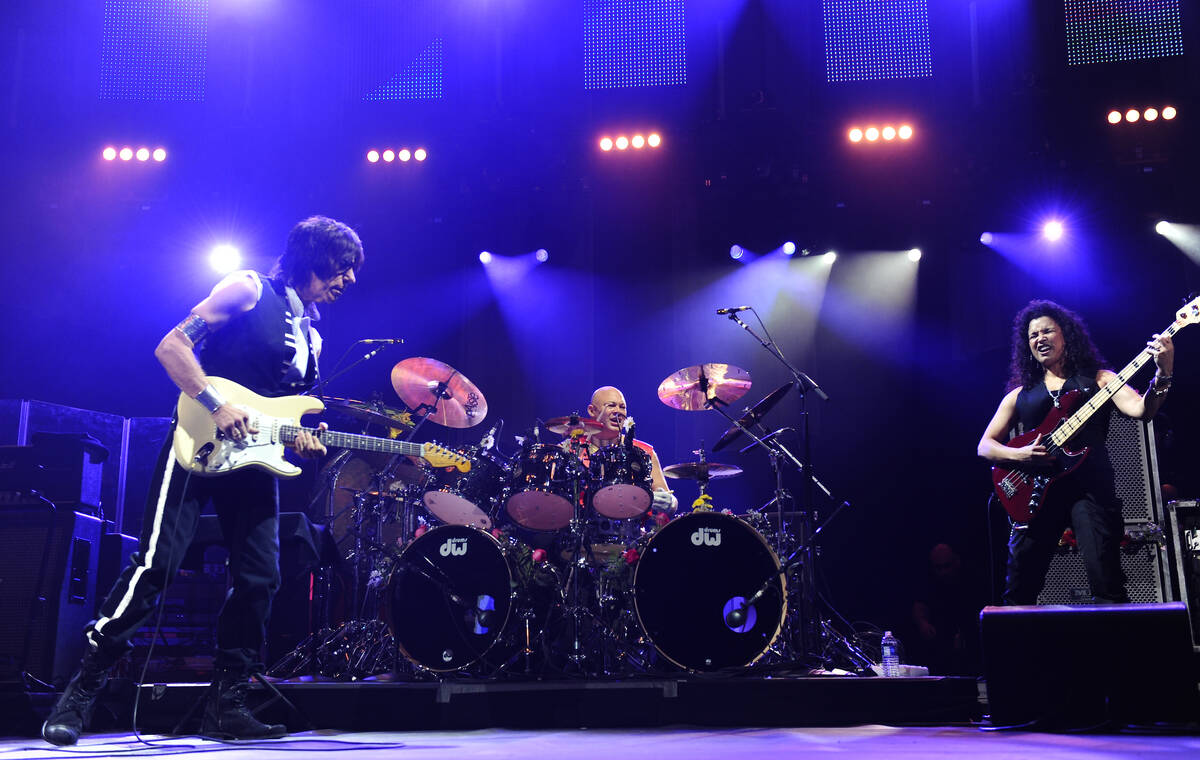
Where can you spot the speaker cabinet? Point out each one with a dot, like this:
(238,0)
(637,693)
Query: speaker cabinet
(1144,564)
(1183,526)
(47,587)
(1131,452)
(1074,667)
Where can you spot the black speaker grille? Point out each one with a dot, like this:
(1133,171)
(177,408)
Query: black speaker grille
(1135,481)
(1066,582)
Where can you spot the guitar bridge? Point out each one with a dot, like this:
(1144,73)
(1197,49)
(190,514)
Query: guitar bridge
(1009,488)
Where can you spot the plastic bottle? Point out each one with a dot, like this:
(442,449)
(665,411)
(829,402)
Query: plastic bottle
(889,647)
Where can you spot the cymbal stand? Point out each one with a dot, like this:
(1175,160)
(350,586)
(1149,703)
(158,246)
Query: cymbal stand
(440,391)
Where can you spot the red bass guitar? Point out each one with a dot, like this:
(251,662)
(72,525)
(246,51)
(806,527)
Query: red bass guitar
(1022,490)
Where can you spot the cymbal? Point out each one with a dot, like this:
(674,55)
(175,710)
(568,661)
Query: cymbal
(373,412)
(417,381)
(752,416)
(572,422)
(701,471)
(692,388)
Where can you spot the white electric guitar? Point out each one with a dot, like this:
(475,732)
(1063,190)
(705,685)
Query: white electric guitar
(201,448)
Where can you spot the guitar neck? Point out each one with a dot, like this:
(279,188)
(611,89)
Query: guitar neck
(352,441)
(1072,424)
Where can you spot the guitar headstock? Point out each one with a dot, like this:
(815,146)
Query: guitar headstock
(440,456)
(1189,313)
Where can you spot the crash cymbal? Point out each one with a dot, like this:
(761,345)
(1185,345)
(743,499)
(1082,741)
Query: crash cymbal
(566,425)
(701,471)
(424,384)
(752,416)
(372,412)
(693,388)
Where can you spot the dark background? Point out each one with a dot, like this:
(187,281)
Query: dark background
(101,259)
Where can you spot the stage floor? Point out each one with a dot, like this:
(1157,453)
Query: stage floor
(670,743)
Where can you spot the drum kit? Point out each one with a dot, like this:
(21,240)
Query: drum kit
(550,559)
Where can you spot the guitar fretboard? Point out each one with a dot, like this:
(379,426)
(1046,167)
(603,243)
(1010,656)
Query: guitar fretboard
(1071,425)
(352,441)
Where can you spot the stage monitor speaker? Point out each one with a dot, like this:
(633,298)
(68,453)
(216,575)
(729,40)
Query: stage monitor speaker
(1074,667)
(47,587)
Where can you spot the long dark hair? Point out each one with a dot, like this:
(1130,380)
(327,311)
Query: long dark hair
(1081,353)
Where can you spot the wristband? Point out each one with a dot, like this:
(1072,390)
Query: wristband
(210,399)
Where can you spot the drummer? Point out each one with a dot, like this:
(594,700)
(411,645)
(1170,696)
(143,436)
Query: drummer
(608,408)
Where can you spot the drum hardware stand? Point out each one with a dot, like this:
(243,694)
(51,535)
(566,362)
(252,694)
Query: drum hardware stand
(318,389)
(440,392)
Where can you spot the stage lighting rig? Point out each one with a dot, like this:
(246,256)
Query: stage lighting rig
(638,142)
(142,154)
(888,133)
(391,156)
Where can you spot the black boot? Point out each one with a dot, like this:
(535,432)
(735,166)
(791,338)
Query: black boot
(73,711)
(226,715)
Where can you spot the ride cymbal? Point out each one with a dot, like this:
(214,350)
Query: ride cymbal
(752,416)
(695,388)
(701,471)
(566,425)
(428,384)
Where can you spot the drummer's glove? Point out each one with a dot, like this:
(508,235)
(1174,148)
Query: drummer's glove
(665,501)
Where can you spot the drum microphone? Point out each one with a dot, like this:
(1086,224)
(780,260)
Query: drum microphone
(627,430)
(489,440)
(733,309)
(737,616)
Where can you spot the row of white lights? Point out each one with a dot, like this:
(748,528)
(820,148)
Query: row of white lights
(737,252)
(637,142)
(886,133)
(1148,114)
(111,153)
(403,155)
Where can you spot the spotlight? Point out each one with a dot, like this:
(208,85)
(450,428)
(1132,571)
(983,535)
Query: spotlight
(736,252)
(225,258)
(143,154)
(986,238)
(109,153)
(905,132)
(889,133)
(373,156)
(542,255)
(872,134)
(404,155)
(485,257)
(389,156)
(1114,117)
(622,142)
(1132,115)
(1150,114)
(1169,112)
(1162,227)
(855,135)
(126,154)
(606,144)
(914,255)
(789,248)
(831,256)
(638,141)
(654,140)
(1053,230)
(160,154)
(420,154)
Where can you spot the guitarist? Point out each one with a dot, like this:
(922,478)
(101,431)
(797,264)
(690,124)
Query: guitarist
(256,331)
(1053,354)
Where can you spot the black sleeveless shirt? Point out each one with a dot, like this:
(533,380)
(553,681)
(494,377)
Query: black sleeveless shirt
(254,348)
(1032,406)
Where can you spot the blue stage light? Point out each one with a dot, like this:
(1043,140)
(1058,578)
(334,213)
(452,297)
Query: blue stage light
(225,258)
(485,257)
(1053,230)
(542,255)
(789,248)
(736,252)
(986,238)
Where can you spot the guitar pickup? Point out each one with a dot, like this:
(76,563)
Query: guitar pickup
(1009,488)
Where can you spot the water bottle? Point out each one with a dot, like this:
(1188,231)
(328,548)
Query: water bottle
(891,657)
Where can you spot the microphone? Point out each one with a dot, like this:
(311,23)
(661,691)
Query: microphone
(736,617)
(489,439)
(732,309)
(382,341)
(627,432)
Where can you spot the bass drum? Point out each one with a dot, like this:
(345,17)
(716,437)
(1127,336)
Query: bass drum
(449,597)
(696,570)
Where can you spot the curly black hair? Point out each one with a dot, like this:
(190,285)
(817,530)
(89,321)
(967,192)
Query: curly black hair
(1082,356)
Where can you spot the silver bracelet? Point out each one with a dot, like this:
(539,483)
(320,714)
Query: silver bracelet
(210,399)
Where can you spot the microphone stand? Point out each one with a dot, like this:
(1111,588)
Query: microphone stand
(804,557)
(324,381)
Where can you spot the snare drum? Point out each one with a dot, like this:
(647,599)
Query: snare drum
(543,487)
(695,571)
(469,498)
(621,487)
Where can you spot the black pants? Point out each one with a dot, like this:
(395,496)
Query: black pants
(1099,528)
(247,505)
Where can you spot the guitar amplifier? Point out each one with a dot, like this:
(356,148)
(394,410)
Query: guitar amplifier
(1144,562)
(1183,527)
(1131,452)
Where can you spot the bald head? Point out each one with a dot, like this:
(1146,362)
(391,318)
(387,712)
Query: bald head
(608,408)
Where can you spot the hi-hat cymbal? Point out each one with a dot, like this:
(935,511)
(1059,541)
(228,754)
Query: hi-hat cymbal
(423,384)
(373,412)
(752,416)
(701,470)
(566,425)
(695,388)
